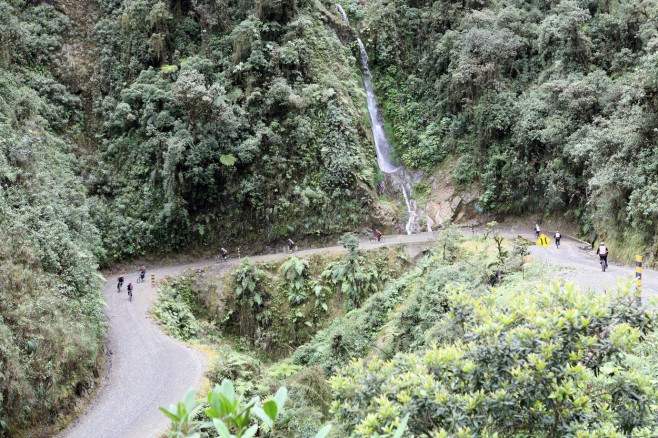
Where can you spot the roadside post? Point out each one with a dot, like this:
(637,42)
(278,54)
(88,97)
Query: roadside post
(638,276)
(544,241)
(152,280)
(239,253)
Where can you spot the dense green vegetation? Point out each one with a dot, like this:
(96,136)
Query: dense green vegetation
(237,120)
(130,127)
(134,126)
(461,345)
(549,106)
(51,319)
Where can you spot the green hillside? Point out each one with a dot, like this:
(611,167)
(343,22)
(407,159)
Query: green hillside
(467,340)
(143,128)
(549,107)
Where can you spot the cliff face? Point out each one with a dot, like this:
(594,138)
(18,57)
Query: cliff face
(546,108)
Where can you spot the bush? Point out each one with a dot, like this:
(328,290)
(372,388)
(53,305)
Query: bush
(551,363)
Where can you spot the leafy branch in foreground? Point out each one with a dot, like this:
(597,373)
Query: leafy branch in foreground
(227,415)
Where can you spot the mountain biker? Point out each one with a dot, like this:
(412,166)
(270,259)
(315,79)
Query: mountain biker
(223,253)
(537,230)
(142,273)
(291,244)
(120,284)
(603,253)
(557,237)
(378,235)
(130,289)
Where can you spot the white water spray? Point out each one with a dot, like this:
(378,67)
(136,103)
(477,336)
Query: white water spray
(382,146)
(412,213)
(342,13)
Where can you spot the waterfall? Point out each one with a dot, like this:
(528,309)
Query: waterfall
(342,13)
(382,146)
(412,213)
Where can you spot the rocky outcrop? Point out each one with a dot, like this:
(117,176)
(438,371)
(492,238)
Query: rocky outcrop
(447,202)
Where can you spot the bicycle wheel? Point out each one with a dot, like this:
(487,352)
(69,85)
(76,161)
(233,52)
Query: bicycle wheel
(603,265)
(373,240)
(130,296)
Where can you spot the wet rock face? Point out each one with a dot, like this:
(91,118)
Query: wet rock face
(446,202)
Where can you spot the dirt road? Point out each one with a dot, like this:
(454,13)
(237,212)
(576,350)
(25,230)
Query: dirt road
(148,369)
(582,267)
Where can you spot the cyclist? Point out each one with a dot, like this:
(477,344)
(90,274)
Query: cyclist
(291,245)
(130,290)
(120,284)
(223,253)
(378,235)
(603,253)
(557,237)
(537,231)
(142,273)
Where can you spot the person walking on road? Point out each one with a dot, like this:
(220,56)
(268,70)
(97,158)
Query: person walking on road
(557,237)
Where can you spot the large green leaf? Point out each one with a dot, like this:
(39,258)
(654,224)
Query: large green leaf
(322,433)
(227,160)
(271,409)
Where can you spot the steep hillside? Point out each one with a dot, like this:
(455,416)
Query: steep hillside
(465,341)
(51,319)
(236,121)
(550,107)
(153,126)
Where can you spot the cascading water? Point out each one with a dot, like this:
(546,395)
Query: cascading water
(382,146)
(412,213)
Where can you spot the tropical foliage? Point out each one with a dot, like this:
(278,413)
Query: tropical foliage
(548,106)
(51,318)
(467,342)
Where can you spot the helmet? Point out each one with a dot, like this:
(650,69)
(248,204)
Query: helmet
(602,244)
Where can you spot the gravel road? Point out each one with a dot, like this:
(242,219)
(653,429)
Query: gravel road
(147,369)
(582,267)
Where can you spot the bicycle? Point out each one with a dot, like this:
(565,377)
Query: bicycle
(374,239)
(119,284)
(222,259)
(289,250)
(130,295)
(140,278)
(604,264)
(557,243)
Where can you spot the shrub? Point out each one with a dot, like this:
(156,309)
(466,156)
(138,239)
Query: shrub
(551,363)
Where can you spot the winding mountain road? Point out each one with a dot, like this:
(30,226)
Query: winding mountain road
(147,369)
